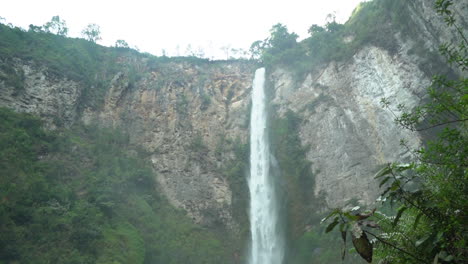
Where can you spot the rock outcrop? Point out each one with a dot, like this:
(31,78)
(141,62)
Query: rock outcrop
(52,98)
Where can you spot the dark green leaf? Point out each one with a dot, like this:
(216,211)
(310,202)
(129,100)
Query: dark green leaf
(363,247)
(350,216)
(385,191)
(416,221)
(343,251)
(384,171)
(332,225)
(384,181)
(403,167)
(398,216)
(333,213)
(344,226)
(421,241)
(395,185)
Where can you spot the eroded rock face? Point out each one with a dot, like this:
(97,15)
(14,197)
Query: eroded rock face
(351,135)
(179,112)
(52,98)
(179,120)
(434,29)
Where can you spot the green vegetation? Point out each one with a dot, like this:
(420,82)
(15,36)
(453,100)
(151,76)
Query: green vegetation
(206,101)
(294,168)
(235,170)
(296,187)
(182,105)
(306,237)
(374,22)
(315,246)
(75,59)
(197,145)
(120,43)
(92,32)
(427,197)
(81,60)
(80,196)
(56,26)
(12,76)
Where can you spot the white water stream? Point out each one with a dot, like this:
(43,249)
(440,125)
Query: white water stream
(267,241)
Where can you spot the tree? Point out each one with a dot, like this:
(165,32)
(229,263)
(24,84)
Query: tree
(431,192)
(92,32)
(281,47)
(120,43)
(34,28)
(281,39)
(56,26)
(256,50)
(314,29)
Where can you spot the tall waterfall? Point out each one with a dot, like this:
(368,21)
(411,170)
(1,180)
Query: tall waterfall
(267,241)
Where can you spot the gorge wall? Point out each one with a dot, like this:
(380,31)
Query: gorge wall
(189,117)
(182,115)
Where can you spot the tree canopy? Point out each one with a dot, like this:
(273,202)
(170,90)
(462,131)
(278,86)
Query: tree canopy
(56,26)
(92,32)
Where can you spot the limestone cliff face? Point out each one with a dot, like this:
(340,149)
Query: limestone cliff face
(432,28)
(180,120)
(180,113)
(52,98)
(351,135)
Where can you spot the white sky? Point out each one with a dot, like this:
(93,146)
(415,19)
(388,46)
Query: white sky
(155,25)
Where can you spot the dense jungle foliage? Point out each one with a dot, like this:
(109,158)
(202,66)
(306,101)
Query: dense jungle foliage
(85,196)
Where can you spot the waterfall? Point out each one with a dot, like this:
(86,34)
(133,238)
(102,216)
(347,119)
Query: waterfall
(267,240)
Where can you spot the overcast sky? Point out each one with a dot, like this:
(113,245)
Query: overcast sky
(155,25)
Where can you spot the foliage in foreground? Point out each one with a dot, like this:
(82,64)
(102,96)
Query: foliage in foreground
(79,197)
(430,193)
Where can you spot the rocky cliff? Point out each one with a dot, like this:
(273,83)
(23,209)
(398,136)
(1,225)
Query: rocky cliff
(181,119)
(351,135)
(183,115)
(342,118)
(187,116)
